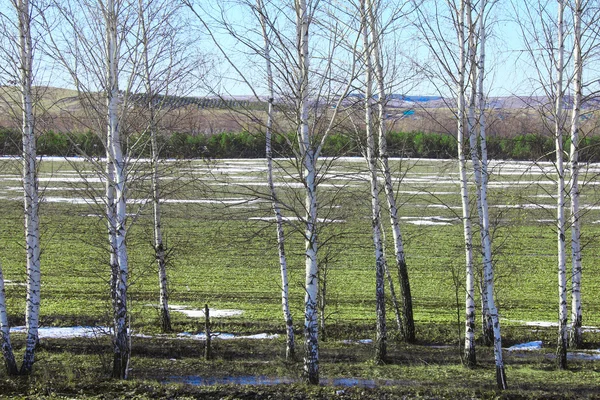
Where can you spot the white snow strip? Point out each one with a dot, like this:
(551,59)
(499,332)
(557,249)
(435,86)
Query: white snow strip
(427,223)
(286,184)
(8,282)
(589,356)
(214,313)
(522,206)
(360,341)
(428,192)
(323,220)
(65,332)
(547,324)
(541,324)
(235,201)
(228,336)
(443,206)
(433,218)
(529,346)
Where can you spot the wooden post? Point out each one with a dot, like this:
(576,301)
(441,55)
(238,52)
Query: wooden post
(207,352)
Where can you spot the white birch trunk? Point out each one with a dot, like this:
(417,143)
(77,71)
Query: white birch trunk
(472,128)
(381,339)
(487,324)
(30,184)
(475,71)
(576,339)
(308,153)
(470,355)
(561,351)
(290,348)
(110,215)
(407,311)
(121,335)
(487,239)
(7,349)
(159,249)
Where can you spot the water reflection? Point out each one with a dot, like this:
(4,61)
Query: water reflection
(266,380)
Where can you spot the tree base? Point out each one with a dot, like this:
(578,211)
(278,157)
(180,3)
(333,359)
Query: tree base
(576,337)
(501,378)
(470,360)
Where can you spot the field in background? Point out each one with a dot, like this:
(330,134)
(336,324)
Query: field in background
(219,230)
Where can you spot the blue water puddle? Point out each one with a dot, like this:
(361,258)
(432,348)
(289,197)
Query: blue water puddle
(529,346)
(265,380)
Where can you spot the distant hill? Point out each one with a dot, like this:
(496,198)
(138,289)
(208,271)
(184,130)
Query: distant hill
(61,110)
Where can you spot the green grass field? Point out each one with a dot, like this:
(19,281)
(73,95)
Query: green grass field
(223,253)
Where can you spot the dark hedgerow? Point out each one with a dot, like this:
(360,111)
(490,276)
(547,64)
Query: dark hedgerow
(526,146)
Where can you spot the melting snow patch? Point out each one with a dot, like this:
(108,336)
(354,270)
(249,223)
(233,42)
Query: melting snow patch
(65,332)
(322,220)
(548,324)
(235,201)
(590,356)
(214,313)
(529,346)
(227,336)
(360,341)
(11,283)
(521,206)
(427,222)
(542,324)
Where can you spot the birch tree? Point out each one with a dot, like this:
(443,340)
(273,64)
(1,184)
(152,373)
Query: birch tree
(546,39)
(381,340)
(263,49)
(159,250)
(18,58)
(561,351)
(373,9)
(30,185)
(311,141)
(308,156)
(451,63)
(483,208)
(469,24)
(576,339)
(110,12)
(545,44)
(97,49)
(310,100)
(285,304)
(164,63)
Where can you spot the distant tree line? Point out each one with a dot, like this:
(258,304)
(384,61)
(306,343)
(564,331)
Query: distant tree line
(525,146)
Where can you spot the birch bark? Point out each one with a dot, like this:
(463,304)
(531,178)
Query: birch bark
(576,340)
(380,341)
(487,239)
(30,185)
(159,249)
(561,351)
(407,309)
(309,158)
(287,315)
(472,128)
(121,335)
(470,355)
